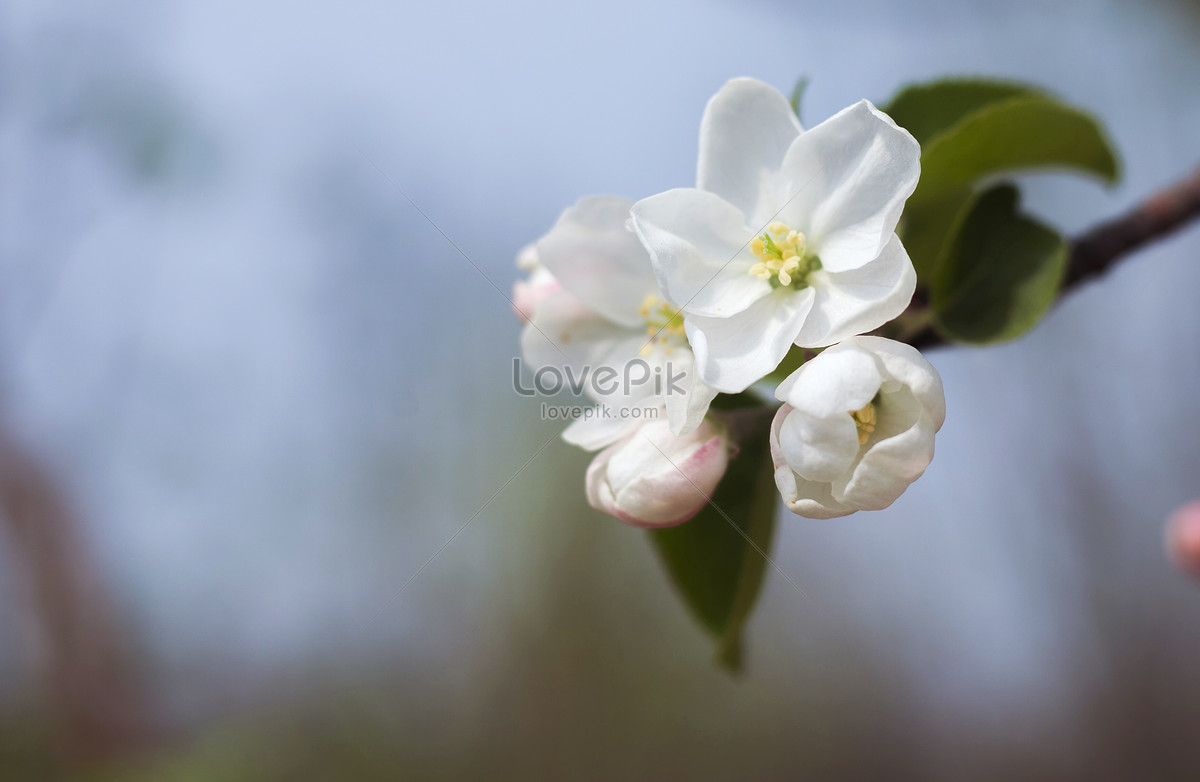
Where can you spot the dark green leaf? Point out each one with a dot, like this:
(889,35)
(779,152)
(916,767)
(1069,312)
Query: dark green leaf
(999,274)
(925,230)
(928,109)
(1023,132)
(717,572)
(727,402)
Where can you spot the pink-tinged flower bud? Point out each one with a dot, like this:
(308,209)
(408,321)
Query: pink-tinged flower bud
(528,293)
(652,478)
(1183,538)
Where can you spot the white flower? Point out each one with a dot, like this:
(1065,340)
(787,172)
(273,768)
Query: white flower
(651,478)
(527,258)
(609,314)
(537,285)
(857,427)
(788,236)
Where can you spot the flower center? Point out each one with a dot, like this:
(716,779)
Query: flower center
(865,420)
(664,325)
(785,258)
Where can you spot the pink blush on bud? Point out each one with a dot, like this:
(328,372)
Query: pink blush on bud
(1183,538)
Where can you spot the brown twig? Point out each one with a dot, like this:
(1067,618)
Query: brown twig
(91,680)
(1098,250)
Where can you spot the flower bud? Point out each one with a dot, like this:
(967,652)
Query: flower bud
(857,427)
(1183,538)
(654,479)
(528,293)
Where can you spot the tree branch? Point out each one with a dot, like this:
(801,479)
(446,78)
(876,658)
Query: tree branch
(93,684)
(1098,250)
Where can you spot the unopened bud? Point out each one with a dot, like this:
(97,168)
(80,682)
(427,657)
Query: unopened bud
(655,479)
(1183,538)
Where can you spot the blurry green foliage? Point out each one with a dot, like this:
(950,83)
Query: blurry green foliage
(994,282)
(716,569)
(929,109)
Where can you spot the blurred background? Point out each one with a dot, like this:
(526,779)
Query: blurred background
(247,392)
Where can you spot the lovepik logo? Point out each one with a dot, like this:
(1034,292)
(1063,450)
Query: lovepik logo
(635,379)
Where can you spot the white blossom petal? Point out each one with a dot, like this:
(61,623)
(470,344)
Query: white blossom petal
(594,255)
(841,380)
(819,449)
(906,364)
(734,353)
(806,498)
(639,375)
(699,247)
(609,363)
(655,479)
(600,427)
(687,407)
(564,333)
(527,258)
(847,181)
(888,467)
(859,300)
(747,129)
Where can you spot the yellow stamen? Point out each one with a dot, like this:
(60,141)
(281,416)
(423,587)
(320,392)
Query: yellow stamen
(865,420)
(663,322)
(783,256)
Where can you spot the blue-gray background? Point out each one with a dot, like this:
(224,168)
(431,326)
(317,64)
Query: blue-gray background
(272,391)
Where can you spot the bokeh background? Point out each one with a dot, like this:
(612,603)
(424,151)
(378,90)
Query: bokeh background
(247,391)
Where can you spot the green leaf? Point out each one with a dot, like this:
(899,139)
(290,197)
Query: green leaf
(927,109)
(795,358)
(798,93)
(926,228)
(999,274)
(716,571)
(730,402)
(1022,132)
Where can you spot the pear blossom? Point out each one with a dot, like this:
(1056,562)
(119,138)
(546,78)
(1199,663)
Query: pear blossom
(537,285)
(651,478)
(857,427)
(608,313)
(788,236)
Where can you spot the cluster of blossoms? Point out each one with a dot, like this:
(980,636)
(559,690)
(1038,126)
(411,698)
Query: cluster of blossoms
(787,239)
